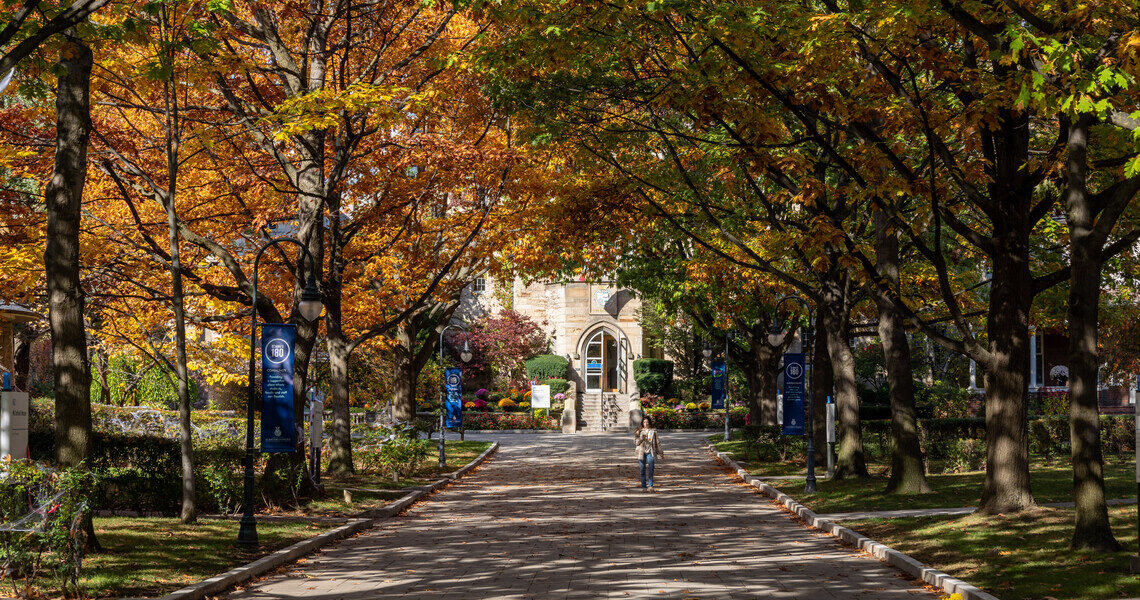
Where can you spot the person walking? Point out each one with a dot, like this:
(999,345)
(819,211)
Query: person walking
(648,451)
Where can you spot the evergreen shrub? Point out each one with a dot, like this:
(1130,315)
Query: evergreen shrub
(547,366)
(653,375)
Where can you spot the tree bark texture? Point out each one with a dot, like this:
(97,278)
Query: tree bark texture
(822,388)
(1007,487)
(63,196)
(1092,529)
(404,375)
(908,472)
(850,461)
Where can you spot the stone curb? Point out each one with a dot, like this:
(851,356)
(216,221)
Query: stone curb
(366,520)
(908,565)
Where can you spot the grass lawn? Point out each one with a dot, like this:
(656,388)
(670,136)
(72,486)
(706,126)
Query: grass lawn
(371,490)
(1052,481)
(1017,557)
(148,557)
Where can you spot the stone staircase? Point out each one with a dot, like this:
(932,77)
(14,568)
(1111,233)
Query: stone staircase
(603,412)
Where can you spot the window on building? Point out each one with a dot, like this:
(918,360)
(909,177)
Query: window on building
(479,287)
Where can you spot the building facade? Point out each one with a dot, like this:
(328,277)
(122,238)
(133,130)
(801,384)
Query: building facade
(595,325)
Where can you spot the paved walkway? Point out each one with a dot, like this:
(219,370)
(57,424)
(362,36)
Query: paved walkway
(561,517)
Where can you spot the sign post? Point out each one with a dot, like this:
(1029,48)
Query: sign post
(793,394)
(830,438)
(278,431)
(14,425)
(316,431)
(540,397)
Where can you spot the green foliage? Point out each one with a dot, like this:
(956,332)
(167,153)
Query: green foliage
(941,400)
(128,383)
(547,366)
(653,375)
(52,538)
(557,386)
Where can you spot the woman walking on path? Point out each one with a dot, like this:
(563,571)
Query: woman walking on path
(648,451)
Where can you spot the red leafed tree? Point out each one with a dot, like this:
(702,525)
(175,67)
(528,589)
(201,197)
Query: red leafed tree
(499,347)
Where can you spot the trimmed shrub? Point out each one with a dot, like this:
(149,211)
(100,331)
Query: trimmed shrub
(653,375)
(547,366)
(557,386)
(499,421)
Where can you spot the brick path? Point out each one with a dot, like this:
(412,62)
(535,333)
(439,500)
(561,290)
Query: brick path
(561,517)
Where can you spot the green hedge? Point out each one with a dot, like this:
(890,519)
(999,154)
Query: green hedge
(653,375)
(547,366)
(144,473)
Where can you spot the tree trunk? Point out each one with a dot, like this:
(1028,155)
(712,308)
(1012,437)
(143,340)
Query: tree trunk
(340,444)
(753,368)
(822,388)
(849,437)
(63,197)
(1007,486)
(23,358)
(1093,530)
(102,363)
(405,373)
(186,432)
(908,473)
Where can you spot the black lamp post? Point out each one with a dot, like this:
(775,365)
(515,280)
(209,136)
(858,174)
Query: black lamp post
(465,356)
(310,308)
(810,485)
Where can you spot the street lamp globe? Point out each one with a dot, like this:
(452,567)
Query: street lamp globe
(310,305)
(707,351)
(465,355)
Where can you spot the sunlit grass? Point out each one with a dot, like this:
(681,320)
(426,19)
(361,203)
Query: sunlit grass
(1018,557)
(153,556)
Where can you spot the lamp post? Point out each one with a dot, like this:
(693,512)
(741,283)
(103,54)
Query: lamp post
(464,356)
(810,485)
(310,308)
(727,336)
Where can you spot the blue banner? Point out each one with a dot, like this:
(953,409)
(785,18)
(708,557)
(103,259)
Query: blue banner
(794,394)
(278,431)
(453,403)
(718,385)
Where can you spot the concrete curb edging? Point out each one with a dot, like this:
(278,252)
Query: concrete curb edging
(908,565)
(366,520)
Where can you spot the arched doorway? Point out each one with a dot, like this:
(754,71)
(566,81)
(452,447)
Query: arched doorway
(604,362)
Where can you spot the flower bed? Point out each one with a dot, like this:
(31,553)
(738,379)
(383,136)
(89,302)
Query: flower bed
(483,420)
(671,418)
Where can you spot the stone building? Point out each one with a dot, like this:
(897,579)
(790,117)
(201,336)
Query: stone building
(595,325)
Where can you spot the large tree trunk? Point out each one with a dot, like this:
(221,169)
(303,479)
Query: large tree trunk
(340,444)
(908,473)
(405,374)
(1007,486)
(1093,530)
(822,388)
(850,461)
(63,197)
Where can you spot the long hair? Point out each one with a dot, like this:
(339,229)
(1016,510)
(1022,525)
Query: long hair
(646,423)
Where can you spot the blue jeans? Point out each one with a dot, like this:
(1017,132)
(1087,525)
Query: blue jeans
(646,470)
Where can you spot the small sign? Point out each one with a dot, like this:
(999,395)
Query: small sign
(453,385)
(14,425)
(794,393)
(594,364)
(540,396)
(277,428)
(316,419)
(718,385)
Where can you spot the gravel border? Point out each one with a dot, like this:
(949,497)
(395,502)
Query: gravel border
(362,521)
(908,565)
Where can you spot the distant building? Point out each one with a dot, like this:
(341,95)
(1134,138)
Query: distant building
(595,325)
